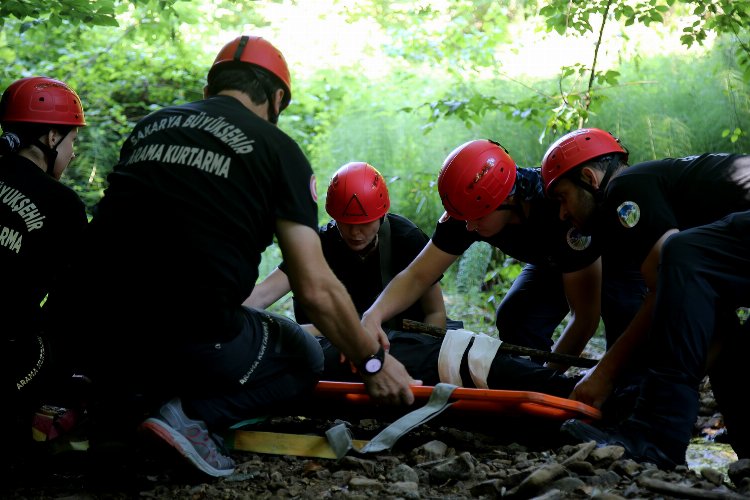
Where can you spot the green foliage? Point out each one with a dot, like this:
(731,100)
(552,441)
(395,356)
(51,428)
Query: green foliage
(675,115)
(734,135)
(723,17)
(464,33)
(317,103)
(90,12)
(562,15)
(580,86)
(415,196)
(717,16)
(473,109)
(472,267)
(473,297)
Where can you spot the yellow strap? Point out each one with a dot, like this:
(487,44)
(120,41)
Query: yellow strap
(275,443)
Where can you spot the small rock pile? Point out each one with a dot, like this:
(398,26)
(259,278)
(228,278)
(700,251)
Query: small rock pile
(466,465)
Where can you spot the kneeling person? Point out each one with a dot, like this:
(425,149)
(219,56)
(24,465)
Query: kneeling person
(365,246)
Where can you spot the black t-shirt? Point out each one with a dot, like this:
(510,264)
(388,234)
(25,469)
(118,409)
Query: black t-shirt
(362,276)
(40,222)
(191,206)
(646,200)
(542,239)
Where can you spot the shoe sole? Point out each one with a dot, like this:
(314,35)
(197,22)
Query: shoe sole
(583,433)
(182,445)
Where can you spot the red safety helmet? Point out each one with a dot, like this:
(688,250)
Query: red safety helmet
(38,99)
(259,52)
(357,194)
(574,149)
(475,179)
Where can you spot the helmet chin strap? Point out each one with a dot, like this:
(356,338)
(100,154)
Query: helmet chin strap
(273,116)
(365,252)
(598,193)
(50,153)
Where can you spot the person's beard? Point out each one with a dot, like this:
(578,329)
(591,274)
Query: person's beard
(589,214)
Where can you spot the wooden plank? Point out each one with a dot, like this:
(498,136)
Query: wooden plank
(276,443)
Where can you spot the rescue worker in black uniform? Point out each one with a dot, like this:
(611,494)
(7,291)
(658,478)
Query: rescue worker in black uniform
(197,195)
(365,254)
(40,221)
(686,222)
(365,245)
(488,198)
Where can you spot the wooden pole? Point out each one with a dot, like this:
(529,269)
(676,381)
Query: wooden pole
(563,359)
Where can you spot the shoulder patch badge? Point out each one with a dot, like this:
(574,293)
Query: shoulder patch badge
(629,214)
(577,240)
(314,188)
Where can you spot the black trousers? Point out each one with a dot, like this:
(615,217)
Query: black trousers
(237,384)
(268,363)
(704,277)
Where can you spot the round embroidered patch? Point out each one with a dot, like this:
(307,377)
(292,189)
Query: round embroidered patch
(577,240)
(629,214)
(314,188)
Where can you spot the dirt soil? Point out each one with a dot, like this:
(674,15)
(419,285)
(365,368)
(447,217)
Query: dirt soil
(452,456)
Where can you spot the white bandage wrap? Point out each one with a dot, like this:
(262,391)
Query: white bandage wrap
(480,357)
(451,351)
(481,354)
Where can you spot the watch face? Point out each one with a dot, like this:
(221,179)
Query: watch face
(373,365)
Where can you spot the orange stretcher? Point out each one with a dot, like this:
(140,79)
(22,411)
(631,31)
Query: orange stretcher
(486,401)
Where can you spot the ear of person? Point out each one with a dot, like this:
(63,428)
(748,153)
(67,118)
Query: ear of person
(589,175)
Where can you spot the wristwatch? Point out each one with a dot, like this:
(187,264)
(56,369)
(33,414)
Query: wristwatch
(372,364)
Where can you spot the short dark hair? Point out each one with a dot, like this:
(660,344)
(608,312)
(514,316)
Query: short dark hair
(256,82)
(610,162)
(603,163)
(27,133)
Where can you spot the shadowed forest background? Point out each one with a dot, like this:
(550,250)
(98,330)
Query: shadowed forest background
(401,84)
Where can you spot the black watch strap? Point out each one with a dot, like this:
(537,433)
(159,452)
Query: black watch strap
(372,364)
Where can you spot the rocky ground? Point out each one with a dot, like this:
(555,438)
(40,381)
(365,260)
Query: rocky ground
(452,456)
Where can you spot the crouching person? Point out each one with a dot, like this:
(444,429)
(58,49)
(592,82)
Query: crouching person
(199,192)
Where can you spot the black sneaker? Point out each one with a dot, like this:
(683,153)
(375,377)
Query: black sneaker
(637,447)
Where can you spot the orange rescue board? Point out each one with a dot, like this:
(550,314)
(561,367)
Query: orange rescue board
(464,399)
